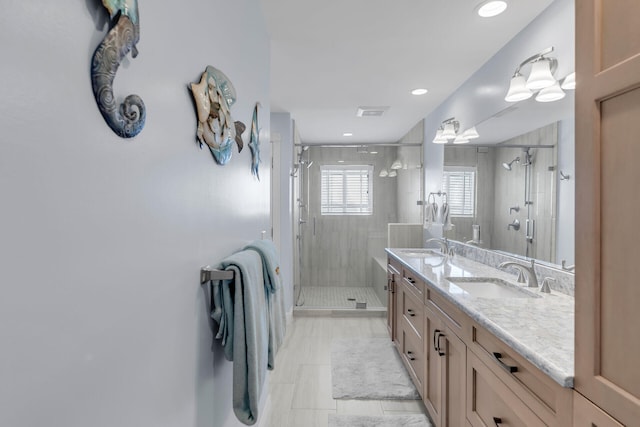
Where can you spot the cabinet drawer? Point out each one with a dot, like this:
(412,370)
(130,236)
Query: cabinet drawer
(393,266)
(491,403)
(586,414)
(453,317)
(413,282)
(412,310)
(413,356)
(548,399)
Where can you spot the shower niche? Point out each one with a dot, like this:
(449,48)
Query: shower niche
(516,194)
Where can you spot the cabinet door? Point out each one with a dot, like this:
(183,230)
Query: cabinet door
(432,391)
(453,379)
(392,273)
(607,232)
(586,414)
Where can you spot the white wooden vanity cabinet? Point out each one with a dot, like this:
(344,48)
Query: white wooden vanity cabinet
(465,374)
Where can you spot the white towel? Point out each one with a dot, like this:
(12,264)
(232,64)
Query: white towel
(445,217)
(431,213)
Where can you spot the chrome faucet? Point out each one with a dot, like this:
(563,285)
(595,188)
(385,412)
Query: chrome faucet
(444,245)
(566,267)
(531,273)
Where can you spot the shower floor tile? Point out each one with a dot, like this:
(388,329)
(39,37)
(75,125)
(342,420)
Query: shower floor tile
(338,297)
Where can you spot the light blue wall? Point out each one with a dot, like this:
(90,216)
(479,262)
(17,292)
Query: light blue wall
(282,134)
(103,321)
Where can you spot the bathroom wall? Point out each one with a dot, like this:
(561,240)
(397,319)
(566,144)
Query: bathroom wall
(282,197)
(338,249)
(103,321)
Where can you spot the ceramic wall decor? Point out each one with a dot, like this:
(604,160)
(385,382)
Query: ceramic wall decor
(126,119)
(214,95)
(254,143)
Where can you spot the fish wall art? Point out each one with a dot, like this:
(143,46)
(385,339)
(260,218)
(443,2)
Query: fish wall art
(214,95)
(254,143)
(127,118)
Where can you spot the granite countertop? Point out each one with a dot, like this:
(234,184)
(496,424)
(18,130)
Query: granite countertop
(540,329)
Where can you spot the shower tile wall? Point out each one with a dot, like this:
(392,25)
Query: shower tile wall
(509,192)
(337,249)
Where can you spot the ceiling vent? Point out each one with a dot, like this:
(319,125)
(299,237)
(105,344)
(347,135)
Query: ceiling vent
(371,111)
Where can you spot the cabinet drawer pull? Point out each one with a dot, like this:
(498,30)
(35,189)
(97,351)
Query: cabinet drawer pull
(410,355)
(410,280)
(497,421)
(411,312)
(440,335)
(510,369)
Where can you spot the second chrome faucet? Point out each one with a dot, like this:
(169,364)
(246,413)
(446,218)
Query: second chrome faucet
(532,280)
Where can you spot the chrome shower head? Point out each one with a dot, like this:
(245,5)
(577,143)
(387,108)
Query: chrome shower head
(507,166)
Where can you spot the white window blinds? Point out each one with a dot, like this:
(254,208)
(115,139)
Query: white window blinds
(460,185)
(346,190)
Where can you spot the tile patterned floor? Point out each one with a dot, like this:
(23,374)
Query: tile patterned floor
(300,386)
(337,297)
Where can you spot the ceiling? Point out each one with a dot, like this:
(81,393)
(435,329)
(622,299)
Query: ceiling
(330,57)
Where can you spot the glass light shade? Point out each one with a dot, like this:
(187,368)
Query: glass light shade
(550,94)
(449,131)
(540,76)
(397,164)
(518,90)
(492,8)
(460,140)
(470,133)
(569,82)
(393,174)
(383,173)
(438,138)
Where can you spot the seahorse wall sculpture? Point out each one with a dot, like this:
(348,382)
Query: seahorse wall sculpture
(126,119)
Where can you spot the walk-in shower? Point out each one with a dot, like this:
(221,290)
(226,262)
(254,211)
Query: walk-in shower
(336,249)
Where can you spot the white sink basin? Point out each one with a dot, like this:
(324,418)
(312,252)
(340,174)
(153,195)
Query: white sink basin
(488,287)
(421,253)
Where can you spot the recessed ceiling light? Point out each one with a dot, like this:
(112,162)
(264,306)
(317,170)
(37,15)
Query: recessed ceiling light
(492,8)
(419,91)
(347,134)
(373,152)
(340,161)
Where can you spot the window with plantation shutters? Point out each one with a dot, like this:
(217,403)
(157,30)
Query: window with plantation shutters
(346,190)
(460,185)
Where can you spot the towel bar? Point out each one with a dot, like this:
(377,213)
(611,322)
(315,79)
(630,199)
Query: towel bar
(208,273)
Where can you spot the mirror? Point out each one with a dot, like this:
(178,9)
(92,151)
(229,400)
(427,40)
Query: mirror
(523,206)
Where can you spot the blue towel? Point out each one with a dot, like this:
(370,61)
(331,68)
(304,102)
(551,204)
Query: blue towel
(275,294)
(244,329)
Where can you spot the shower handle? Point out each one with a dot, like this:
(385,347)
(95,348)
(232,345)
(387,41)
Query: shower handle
(515,224)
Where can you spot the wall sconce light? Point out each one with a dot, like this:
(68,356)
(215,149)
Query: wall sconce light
(540,79)
(449,131)
(384,173)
